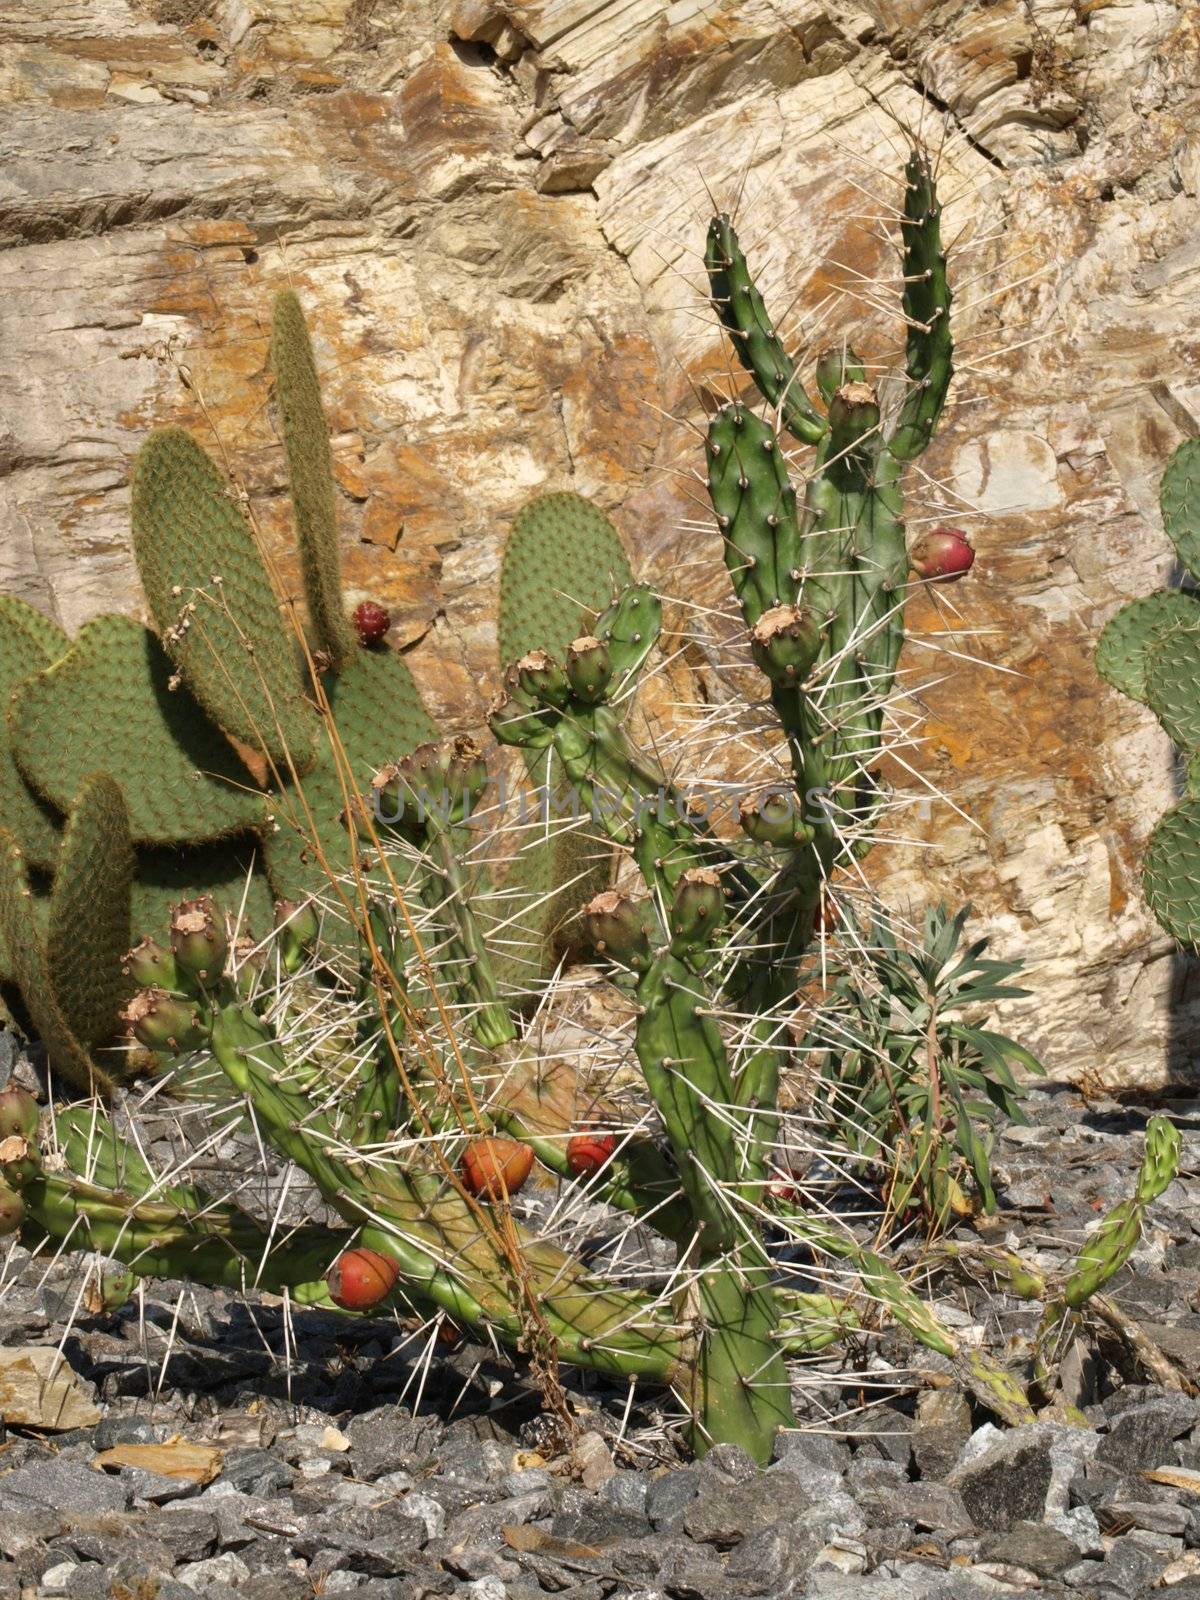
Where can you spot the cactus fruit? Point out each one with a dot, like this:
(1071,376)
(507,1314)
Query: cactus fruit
(496,1168)
(1150,651)
(587,1153)
(944,553)
(310,477)
(359,1279)
(371,623)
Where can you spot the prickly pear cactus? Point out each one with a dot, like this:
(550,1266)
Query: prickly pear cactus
(1150,651)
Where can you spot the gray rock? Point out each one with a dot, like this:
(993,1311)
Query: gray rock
(884,1431)
(189,1533)
(930,1507)
(1079,1524)
(1130,1507)
(1021,1476)
(627,1490)
(769,1562)
(668,1498)
(1035,1546)
(1145,1436)
(723,1514)
(821,1451)
(388,1440)
(256,1472)
(686,1573)
(67,1486)
(1131,1570)
(595,1519)
(125,1430)
(941,1428)
(223,1569)
(375,1542)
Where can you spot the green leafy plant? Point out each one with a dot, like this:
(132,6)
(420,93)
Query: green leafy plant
(382,1041)
(908,1082)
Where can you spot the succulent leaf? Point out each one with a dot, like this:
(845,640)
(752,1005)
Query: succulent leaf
(1179,498)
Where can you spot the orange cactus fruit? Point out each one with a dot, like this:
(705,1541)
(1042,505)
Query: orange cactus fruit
(588,1152)
(494,1167)
(361,1278)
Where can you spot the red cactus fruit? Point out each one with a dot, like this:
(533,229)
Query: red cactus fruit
(493,1167)
(371,622)
(781,1191)
(588,1152)
(945,554)
(361,1278)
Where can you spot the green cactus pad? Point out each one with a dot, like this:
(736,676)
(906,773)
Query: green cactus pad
(310,475)
(21,935)
(1171,872)
(755,506)
(738,303)
(1173,684)
(1179,497)
(88,931)
(1123,649)
(28,643)
(379,718)
(227,638)
(929,348)
(232,873)
(108,706)
(563,562)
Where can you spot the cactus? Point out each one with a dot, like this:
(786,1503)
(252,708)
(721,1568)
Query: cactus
(310,475)
(28,641)
(1150,651)
(406,1083)
(210,597)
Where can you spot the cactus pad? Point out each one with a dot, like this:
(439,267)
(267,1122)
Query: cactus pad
(563,559)
(379,717)
(108,705)
(1127,639)
(310,474)
(28,642)
(1179,497)
(227,637)
(1173,684)
(88,931)
(20,933)
(230,872)
(1171,872)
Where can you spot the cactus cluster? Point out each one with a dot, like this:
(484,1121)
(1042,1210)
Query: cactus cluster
(409,1084)
(1150,651)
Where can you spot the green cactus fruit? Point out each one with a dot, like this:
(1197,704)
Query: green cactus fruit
(1129,638)
(1171,872)
(929,348)
(562,563)
(20,934)
(111,705)
(630,627)
(28,643)
(739,304)
(213,603)
(620,928)
(1160,1164)
(1173,683)
(310,475)
(1179,497)
(589,669)
(88,930)
(697,912)
(379,717)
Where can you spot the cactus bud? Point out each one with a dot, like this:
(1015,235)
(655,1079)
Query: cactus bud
(943,555)
(542,680)
(513,723)
(361,1278)
(150,966)
(853,413)
(20,1160)
(699,908)
(495,1167)
(18,1114)
(619,927)
(784,642)
(774,817)
(589,669)
(162,1021)
(371,623)
(836,368)
(199,941)
(588,1152)
(12,1211)
(297,926)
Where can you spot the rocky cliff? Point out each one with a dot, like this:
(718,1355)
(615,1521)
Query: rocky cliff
(494,211)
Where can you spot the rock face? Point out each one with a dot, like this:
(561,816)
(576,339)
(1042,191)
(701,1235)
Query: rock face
(494,214)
